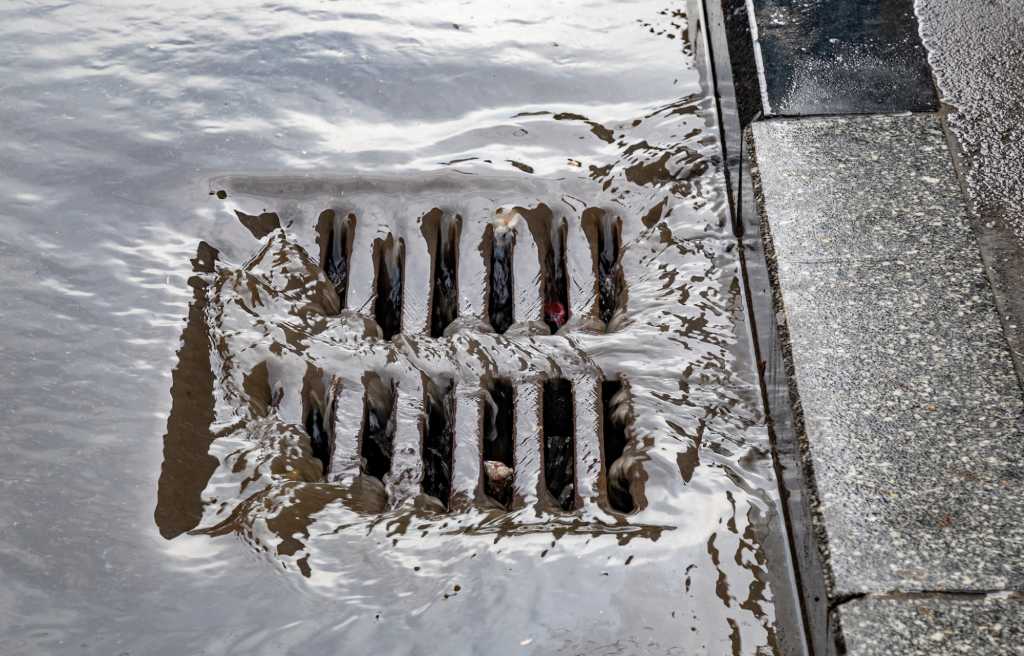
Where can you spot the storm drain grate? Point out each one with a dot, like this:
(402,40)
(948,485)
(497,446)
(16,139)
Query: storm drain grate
(461,428)
(504,354)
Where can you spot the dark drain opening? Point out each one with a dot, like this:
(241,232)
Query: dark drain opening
(390,270)
(500,289)
(446,285)
(315,428)
(438,442)
(559,445)
(604,232)
(556,285)
(378,427)
(315,413)
(336,249)
(609,272)
(499,441)
(620,462)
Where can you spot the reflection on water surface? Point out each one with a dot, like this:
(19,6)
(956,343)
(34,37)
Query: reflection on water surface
(268,173)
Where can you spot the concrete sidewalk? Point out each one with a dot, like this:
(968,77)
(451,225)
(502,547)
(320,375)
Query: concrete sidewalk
(882,216)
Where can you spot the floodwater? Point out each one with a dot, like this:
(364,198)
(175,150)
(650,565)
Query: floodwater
(187,392)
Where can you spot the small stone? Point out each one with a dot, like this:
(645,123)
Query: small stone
(498,480)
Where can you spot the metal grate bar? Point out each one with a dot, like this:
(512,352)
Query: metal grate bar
(407,459)
(589,472)
(349,402)
(527,480)
(466,470)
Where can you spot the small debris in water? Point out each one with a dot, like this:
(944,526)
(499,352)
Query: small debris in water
(554,313)
(497,480)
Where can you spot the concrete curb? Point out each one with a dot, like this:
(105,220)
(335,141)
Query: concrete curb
(809,201)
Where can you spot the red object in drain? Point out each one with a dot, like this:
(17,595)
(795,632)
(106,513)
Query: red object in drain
(554,312)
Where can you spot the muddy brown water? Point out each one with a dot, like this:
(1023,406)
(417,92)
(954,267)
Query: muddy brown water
(161,340)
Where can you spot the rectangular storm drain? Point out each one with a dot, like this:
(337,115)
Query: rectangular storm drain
(457,345)
(432,398)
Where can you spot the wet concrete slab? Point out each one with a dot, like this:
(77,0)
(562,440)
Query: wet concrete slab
(839,57)
(903,389)
(932,627)
(983,94)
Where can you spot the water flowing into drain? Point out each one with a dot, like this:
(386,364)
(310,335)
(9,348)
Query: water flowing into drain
(556,286)
(619,455)
(390,272)
(499,441)
(609,272)
(438,441)
(336,249)
(446,286)
(559,442)
(500,289)
(378,428)
(316,424)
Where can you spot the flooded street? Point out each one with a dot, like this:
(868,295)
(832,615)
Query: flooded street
(383,328)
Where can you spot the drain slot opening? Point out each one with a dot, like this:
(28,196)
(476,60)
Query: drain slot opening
(390,272)
(559,442)
(438,441)
(499,441)
(378,428)
(446,285)
(319,440)
(336,249)
(500,287)
(609,271)
(620,461)
(556,285)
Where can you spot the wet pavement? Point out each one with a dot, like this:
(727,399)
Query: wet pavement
(983,95)
(169,327)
